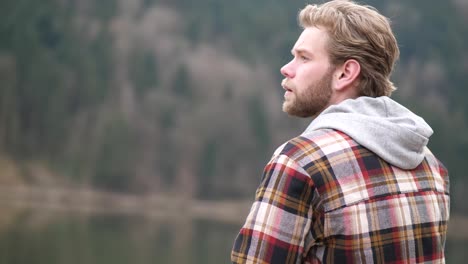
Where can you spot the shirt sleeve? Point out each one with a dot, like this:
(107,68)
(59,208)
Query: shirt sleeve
(280,218)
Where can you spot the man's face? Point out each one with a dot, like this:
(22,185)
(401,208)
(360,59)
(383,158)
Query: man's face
(308,76)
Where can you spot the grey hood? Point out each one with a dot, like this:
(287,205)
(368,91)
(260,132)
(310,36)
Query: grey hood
(381,125)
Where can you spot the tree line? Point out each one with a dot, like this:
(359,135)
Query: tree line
(172,96)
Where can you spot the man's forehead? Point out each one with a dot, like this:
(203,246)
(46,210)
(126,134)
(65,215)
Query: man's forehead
(312,39)
(300,46)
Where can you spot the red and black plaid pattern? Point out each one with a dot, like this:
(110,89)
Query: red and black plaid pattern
(325,199)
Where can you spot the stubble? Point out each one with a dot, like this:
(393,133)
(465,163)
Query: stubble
(313,100)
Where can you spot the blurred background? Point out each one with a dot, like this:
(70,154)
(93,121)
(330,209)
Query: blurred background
(136,131)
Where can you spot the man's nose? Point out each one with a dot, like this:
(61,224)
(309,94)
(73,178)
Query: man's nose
(287,70)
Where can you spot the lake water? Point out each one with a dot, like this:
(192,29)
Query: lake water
(52,237)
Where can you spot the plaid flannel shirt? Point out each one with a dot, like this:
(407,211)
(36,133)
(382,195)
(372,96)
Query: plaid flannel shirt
(324,198)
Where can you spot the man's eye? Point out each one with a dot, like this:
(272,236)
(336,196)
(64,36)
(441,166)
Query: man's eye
(304,58)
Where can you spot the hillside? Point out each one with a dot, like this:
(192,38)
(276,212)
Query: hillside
(149,96)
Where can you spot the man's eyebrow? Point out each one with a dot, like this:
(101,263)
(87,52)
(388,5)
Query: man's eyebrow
(300,51)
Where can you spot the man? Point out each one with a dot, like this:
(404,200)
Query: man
(359,185)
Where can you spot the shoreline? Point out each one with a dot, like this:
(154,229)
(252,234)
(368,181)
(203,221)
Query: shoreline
(86,201)
(158,206)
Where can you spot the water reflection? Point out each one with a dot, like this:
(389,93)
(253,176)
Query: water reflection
(50,237)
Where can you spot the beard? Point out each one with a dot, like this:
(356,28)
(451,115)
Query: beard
(313,100)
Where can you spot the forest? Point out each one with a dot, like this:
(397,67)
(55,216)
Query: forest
(184,98)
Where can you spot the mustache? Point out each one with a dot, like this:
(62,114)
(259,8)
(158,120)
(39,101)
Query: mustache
(286,83)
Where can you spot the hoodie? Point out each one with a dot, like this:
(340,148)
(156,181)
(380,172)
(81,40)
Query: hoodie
(381,125)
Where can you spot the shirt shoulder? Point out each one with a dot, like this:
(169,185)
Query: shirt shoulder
(315,145)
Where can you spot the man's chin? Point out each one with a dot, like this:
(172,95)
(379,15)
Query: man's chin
(287,108)
(293,111)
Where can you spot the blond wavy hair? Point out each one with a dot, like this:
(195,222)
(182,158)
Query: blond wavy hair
(361,33)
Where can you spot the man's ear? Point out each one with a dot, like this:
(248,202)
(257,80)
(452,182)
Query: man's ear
(347,75)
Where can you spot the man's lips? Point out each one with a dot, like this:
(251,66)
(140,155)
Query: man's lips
(285,86)
(288,90)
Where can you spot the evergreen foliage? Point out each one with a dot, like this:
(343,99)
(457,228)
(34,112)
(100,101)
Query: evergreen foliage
(103,96)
